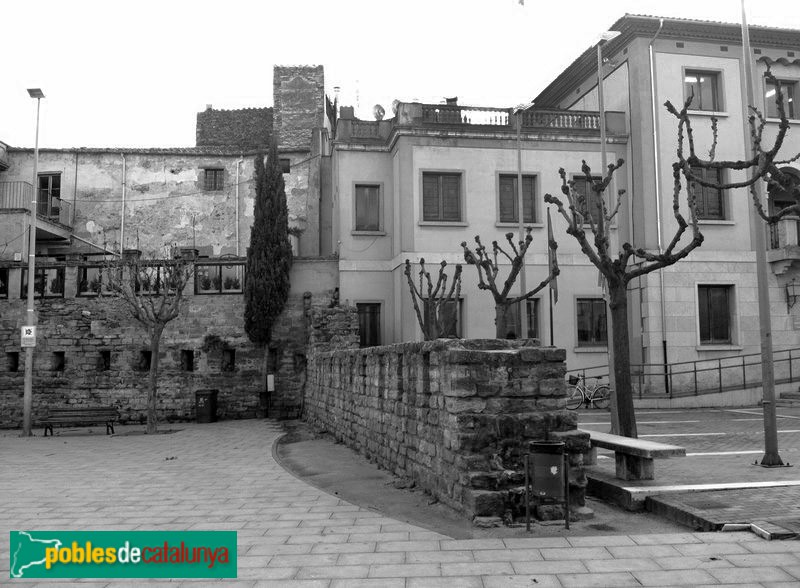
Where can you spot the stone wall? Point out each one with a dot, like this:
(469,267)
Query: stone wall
(454,416)
(299,102)
(89,352)
(248,128)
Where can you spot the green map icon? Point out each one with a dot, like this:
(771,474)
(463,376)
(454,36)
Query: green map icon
(28,552)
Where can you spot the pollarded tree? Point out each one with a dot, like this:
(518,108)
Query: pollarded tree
(489,273)
(439,314)
(152,290)
(632,262)
(269,257)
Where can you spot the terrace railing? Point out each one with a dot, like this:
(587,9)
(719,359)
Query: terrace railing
(15,195)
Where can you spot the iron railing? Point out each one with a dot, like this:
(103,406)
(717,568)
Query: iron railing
(704,376)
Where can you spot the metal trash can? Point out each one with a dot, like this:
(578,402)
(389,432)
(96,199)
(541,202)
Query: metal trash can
(548,469)
(205,403)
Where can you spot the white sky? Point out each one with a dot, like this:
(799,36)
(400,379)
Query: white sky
(135,74)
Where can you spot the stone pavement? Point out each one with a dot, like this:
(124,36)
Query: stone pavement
(223,476)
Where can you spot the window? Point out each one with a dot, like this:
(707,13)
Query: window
(592,330)
(90,281)
(219,279)
(369,323)
(58,361)
(368,208)
(4,282)
(214,179)
(512,329)
(451,317)
(509,199)
(104,361)
(48,202)
(228,360)
(286,165)
(588,200)
(710,201)
(12,359)
(714,313)
(149,279)
(47,283)
(187,360)
(788,90)
(441,197)
(703,86)
(143,364)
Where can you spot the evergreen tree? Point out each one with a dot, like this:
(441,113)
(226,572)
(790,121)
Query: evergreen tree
(269,257)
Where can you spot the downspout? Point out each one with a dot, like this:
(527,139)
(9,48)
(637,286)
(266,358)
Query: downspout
(241,159)
(122,214)
(657,162)
(75,192)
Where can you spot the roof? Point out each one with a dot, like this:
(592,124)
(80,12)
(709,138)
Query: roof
(223,150)
(635,25)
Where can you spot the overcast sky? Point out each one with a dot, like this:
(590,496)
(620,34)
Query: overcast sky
(135,74)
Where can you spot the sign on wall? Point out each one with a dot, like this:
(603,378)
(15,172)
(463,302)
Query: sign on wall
(28,336)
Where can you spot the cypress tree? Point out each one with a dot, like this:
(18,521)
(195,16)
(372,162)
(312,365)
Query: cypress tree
(269,257)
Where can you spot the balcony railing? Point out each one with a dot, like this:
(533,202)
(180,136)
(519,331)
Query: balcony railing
(19,194)
(534,118)
(785,232)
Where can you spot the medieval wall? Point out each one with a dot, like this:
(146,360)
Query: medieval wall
(247,128)
(454,416)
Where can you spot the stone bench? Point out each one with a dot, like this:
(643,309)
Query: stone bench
(634,457)
(84,415)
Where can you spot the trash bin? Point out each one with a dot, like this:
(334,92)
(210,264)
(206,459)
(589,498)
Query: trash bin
(206,406)
(548,469)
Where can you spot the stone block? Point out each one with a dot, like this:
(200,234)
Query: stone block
(484,503)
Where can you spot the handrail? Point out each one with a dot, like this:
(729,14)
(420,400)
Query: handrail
(733,372)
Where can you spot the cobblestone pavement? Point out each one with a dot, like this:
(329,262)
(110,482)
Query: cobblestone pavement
(223,476)
(722,446)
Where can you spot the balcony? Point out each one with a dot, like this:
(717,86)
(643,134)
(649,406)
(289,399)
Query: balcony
(17,196)
(478,118)
(784,245)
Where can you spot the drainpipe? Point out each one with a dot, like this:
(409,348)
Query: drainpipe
(75,192)
(122,221)
(657,162)
(241,159)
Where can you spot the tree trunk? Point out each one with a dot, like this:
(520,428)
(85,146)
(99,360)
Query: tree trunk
(152,393)
(500,321)
(622,360)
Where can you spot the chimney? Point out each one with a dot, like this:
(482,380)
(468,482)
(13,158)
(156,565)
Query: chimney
(452,101)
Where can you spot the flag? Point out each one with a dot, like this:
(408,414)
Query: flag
(552,262)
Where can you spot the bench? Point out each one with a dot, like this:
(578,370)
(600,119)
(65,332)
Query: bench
(634,457)
(86,415)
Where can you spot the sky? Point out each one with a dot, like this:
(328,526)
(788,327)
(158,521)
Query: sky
(135,74)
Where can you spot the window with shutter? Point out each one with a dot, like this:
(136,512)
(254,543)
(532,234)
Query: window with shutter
(710,201)
(441,197)
(509,199)
(367,208)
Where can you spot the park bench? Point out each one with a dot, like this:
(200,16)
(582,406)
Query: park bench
(84,415)
(634,457)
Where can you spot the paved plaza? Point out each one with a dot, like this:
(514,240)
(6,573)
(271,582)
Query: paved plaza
(224,476)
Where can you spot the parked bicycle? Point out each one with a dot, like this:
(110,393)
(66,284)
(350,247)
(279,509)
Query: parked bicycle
(583,392)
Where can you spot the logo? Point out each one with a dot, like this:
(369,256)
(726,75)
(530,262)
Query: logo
(122,554)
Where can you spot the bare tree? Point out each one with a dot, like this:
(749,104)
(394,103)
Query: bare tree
(153,293)
(632,262)
(489,272)
(435,319)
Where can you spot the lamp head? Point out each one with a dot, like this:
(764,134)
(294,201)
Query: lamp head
(608,36)
(35,93)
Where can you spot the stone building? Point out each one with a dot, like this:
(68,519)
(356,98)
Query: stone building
(95,202)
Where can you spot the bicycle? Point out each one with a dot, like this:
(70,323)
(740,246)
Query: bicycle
(598,395)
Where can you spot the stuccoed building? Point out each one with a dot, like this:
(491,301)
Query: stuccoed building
(198,202)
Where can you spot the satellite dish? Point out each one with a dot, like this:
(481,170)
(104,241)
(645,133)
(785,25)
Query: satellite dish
(395,105)
(378,111)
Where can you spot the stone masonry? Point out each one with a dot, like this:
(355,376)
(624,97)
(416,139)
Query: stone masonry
(454,416)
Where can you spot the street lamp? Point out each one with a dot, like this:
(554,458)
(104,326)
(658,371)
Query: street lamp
(30,317)
(605,38)
(523,305)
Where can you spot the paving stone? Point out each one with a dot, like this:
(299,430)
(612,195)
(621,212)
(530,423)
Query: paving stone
(611,580)
(757,574)
(674,577)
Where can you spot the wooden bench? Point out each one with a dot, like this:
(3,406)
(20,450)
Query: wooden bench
(85,415)
(634,457)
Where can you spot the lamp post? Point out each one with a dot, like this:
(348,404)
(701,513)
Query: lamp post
(523,305)
(605,38)
(771,456)
(30,317)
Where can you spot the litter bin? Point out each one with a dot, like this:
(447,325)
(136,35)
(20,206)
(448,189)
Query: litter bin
(206,406)
(548,469)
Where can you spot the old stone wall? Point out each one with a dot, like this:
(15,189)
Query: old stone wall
(90,352)
(248,128)
(299,102)
(454,416)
